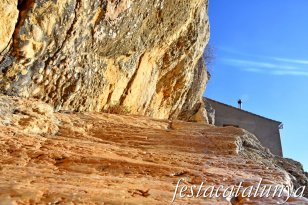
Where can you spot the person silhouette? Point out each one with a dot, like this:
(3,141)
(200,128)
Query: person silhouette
(239,103)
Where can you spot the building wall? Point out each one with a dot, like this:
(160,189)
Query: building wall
(266,130)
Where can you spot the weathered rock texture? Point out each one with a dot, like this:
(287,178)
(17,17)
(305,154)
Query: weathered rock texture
(8,20)
(295,169)
(30,116)
(210,112)
(90,55)
(113,159)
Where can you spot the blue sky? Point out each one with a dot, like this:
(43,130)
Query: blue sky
(261,56)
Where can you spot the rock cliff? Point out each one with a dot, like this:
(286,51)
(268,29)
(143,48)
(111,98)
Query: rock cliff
(144,56)
(95,158)
(63,62)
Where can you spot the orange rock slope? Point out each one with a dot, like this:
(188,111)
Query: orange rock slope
(100,158)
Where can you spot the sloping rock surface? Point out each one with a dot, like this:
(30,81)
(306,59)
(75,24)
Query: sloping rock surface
(111,159)
(295,169)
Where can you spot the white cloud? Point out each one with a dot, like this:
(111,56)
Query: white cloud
(294,73)
(264,64)
(295,61)
(253,70)
(269,67)
(258,64)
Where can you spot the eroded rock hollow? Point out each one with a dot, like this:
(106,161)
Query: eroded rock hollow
(144,56)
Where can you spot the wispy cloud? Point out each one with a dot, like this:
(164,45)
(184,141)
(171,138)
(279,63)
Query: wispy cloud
(288,60)
(277,66)
(294,73)
(265,64)
(253,70)
(258,64)
(232,51)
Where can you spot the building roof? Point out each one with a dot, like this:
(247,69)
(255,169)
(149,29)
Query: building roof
(205,98)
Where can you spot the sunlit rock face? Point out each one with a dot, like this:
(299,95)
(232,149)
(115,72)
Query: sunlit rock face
(77,55)
(99,158)
(9,16)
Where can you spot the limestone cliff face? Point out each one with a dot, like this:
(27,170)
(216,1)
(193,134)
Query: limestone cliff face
(91,55)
